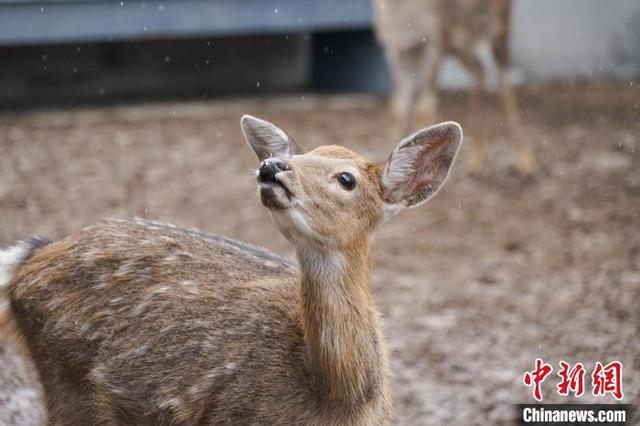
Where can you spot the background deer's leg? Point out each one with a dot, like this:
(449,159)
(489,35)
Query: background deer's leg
(403,68)
(414,72)
(478,137)
(426,96)
(527,164)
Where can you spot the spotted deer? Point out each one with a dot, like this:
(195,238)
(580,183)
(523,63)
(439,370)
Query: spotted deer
(418,34)
(139,322)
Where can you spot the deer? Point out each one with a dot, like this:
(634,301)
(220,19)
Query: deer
(416,36)
(133,321)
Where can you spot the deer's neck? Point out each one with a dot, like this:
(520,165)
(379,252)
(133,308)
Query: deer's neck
(341,327)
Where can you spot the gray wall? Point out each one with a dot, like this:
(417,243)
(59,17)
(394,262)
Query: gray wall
(577,38)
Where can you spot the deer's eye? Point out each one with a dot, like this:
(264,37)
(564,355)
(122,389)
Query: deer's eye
(347,181)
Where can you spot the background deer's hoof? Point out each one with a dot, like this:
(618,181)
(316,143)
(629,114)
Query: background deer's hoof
(527,165)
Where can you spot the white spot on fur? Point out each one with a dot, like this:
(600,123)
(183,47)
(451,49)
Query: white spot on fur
(117,391)
(54,303)
(211,344)
(166,329)
(34,280)
(219,371)
(125,270)
(161,290)
(212,374)
(10,259)
(85,328)
(99,285)
(149,298)
(171,259)
(90,255)
(171,403)
(61,323)
(99,373)
(141,350)
(146,302)
(199,388)
(133,352)
(191,287)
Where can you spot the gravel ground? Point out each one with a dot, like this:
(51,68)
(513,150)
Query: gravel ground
(493,273)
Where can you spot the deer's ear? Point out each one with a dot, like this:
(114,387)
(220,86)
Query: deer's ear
(419,166)
(266,139)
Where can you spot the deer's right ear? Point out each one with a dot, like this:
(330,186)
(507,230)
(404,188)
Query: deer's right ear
(266,139)
(419,166)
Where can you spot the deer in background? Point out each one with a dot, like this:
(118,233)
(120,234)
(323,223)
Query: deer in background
(417,34)
(138,322)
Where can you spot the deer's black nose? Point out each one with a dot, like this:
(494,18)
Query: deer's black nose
(269,168)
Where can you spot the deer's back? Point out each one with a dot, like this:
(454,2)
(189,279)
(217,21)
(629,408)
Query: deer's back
(403,24)
(146,323)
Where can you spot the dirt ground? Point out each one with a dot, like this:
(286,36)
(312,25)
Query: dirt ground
(493,273)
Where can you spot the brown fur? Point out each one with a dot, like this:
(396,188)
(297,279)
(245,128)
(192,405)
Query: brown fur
(137,322)
(144,347)
(417,34)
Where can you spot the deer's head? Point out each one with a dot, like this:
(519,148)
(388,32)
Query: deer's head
(332,197)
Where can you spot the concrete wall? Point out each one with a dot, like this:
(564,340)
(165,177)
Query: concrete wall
(577,39)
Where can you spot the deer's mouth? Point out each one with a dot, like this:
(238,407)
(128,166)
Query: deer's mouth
(275,194)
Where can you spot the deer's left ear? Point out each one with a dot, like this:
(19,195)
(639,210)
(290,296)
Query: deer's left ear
(266,139)
(419,166)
